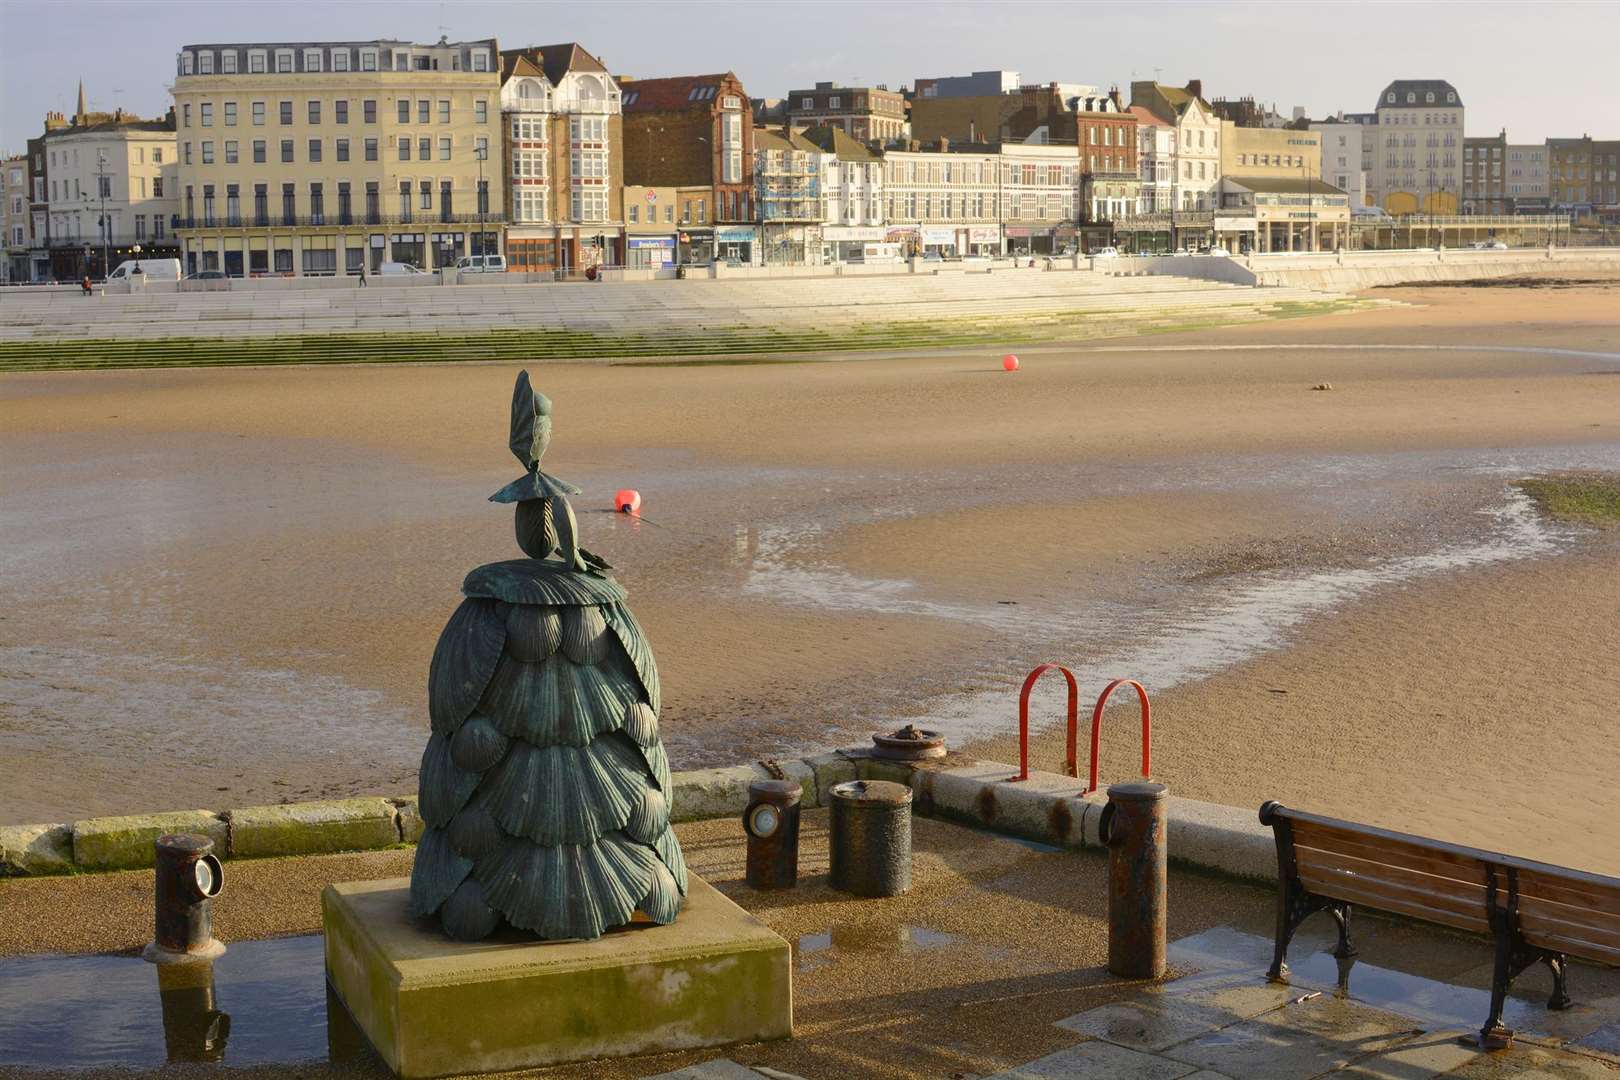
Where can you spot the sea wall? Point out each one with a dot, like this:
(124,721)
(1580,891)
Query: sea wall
(1349,271)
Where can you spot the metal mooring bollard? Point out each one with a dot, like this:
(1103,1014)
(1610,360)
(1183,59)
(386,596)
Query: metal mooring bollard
(772,824)
(188,876)
(871,838)
(1133,827)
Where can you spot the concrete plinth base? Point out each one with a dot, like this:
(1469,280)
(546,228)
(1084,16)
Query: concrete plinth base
(434,1007)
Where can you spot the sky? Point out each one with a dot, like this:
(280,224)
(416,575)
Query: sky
(1537,69)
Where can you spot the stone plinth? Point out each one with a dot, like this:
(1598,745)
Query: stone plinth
(434,1007)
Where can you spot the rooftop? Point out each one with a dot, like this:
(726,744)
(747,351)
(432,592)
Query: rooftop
(1284,185)
(837,141)
(1420,89)
(675,92)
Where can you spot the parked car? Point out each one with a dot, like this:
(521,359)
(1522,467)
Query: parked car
(1219,250)
(393,268)
(1105,253)
(1490,245)
(932,256)
(150,269)
(482,264)
(205,275)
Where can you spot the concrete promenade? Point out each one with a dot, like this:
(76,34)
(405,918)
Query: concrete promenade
(613,307)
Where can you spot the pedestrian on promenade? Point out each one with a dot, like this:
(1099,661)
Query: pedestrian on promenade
(85,285)
(363,275)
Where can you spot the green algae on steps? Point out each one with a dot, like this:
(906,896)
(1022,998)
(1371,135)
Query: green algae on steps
(564,345)
(312,828)
(433,1007)
(126,843)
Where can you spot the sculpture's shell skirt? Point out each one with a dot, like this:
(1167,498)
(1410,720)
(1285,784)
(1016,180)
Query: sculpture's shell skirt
(545,783)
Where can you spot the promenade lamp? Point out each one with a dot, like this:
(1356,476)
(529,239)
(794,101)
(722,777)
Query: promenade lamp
(481,151)
(102,185)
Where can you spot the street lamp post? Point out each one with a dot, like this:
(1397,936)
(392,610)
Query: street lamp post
(481,151)
(102,177)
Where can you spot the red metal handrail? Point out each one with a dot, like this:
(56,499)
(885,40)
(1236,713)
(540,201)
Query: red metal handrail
(1074,721)
(1096,730)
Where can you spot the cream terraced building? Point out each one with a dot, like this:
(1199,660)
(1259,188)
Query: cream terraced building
(315,158)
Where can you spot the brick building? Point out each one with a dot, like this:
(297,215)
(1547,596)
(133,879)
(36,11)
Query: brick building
(867,113)
(1484,184)
(694,132)
(1583,176)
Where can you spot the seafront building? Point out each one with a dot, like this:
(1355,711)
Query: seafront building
(1417,153)
(868,113)
(563,159)
(1273,197)
(1526,179)
(15,218)
(851,194)
(1344,148)
(320,157)
(109,189)
(696,132)
(788,171)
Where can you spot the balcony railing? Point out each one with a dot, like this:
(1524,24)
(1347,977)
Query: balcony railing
(339,221)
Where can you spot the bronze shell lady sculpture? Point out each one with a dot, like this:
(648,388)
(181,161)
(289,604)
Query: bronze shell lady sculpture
(544,787)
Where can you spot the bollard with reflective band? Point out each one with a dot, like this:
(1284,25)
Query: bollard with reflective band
(1133,827)
(870,838)
(772,824)
(188,876)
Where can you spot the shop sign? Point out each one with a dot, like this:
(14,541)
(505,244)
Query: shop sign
(852,232)
(651,242)
(734,234)
(934,236)
(1018,231)
(984,234)
(1236,224)
(895,233)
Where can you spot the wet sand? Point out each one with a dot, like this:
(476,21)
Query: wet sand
(222,587)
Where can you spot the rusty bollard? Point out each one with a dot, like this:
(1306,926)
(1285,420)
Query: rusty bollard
(772,824)
(1133,827)
(871,838)
(188,876)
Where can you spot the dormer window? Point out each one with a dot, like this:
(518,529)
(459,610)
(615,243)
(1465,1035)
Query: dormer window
(256,61)
(227,62)
(312,59)
(1451,95)
(284,61)
(1430,97)
(188,63)
(480,60)
(368,59)
(205,63)
(340,59)
(1411,98)
(1390,97)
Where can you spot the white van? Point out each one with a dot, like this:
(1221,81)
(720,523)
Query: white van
(876,253)
(402,268)
(150,269)
(482,264)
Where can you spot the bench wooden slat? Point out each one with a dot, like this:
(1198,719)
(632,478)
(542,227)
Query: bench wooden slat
(1472,892)
(1446,907)
(1373,898)
(1573,892)
(1540,919)
(1413,856)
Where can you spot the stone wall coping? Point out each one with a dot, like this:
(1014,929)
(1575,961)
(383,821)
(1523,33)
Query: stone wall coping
(1047,808)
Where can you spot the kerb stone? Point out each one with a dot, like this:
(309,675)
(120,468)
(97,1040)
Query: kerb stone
(702,794)
(435,1007)
(35,849)
(127,843)
(410,818)
(312,827)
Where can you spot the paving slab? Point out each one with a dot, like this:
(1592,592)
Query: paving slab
(1527,1060)
(1158,1020)
(1433,1053)
(1098,1060)
(718,1069)
(1298,1041)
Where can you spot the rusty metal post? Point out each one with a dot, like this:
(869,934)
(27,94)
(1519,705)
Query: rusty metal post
(188,876)
(772,824)
(871,838)
(1133,827)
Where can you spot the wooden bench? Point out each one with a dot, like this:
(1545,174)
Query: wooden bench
(1533,911)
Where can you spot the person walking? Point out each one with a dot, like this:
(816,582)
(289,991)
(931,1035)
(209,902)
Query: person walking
(363,275)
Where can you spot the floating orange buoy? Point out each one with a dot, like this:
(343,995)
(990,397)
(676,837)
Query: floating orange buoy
(627,501)
(1010,362)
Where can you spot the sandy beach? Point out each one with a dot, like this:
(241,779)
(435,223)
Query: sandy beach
(222,587)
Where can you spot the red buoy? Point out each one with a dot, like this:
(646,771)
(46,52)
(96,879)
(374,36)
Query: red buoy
(627,501)
(1010,362)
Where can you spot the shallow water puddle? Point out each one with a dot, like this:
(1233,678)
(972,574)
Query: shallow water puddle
(266,1002)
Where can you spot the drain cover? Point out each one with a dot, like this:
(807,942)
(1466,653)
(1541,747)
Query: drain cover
(910,743)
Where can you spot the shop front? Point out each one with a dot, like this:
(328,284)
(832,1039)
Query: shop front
(839,242)
(694,247)
(1019,239)
(650,252)
(938,239)
(735,244)
(905,236)
(984,240)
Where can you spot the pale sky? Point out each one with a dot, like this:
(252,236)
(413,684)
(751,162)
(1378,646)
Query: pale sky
(1536,68)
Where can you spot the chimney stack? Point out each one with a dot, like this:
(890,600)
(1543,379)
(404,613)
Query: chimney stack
(1195,87)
